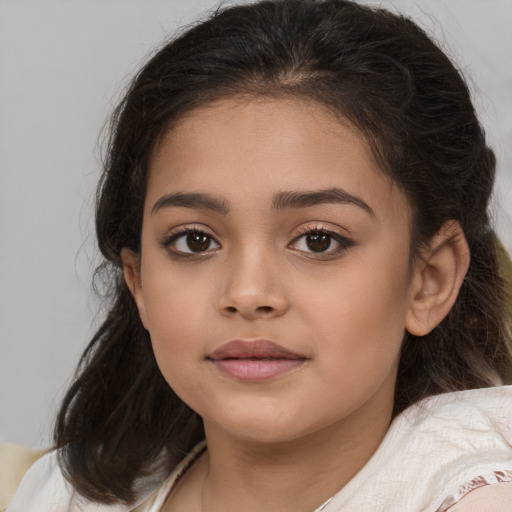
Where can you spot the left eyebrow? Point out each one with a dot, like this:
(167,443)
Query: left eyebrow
(297,199)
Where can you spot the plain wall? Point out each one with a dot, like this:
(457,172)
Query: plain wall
(62,68)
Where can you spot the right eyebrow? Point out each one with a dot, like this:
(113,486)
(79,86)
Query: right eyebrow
(193,200)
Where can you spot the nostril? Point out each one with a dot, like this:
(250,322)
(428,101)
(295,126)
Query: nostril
(231,309)
(265,309)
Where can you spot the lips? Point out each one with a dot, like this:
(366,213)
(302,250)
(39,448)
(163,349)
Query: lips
(255,360)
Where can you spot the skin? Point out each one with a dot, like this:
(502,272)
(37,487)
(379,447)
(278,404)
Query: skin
(289,442)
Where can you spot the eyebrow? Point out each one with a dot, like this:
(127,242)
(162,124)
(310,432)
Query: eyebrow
(281,201)
(297,199)
(195,200)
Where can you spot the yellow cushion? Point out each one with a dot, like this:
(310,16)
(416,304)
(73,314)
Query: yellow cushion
(14,463)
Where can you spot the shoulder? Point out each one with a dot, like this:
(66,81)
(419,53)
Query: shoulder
(486,405)
(432,449)
(467,441)
(43,487)
(470,433)
(486,498)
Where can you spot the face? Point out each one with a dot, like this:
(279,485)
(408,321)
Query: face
(274,270)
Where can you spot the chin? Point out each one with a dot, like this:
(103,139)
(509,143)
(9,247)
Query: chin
(259,426)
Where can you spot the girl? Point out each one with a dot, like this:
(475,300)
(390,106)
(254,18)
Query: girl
(307,308)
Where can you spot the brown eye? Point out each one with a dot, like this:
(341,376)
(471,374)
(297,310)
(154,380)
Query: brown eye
(318,242)
(198,242)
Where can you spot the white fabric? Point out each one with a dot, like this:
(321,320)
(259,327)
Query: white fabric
(428,455)
(431,450)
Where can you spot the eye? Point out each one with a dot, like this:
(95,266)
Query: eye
(190,241)
(321,241)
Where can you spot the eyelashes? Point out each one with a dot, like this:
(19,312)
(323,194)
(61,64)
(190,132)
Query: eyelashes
(315,242)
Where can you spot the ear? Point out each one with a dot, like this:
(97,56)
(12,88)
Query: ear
(131,270)
(437,277)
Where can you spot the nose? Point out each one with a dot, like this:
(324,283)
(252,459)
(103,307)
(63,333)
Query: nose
(252,289)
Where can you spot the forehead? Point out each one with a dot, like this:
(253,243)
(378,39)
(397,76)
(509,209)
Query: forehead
(243,146)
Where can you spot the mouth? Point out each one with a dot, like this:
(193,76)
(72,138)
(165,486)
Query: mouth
(255,360)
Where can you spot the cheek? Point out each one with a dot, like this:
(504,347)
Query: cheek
(361,298)
(172,298)
(176,317)
(175,324)
(361,314)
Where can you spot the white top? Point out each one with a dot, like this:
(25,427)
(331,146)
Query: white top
(434,454)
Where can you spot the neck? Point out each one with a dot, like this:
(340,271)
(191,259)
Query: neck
(298,475)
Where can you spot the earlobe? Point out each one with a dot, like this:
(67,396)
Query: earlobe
(131,271)
(437,277)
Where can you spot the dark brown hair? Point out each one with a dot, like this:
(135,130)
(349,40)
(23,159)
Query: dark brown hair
(120,420)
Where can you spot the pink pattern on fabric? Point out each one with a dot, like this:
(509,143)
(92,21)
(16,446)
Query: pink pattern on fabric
(496,477)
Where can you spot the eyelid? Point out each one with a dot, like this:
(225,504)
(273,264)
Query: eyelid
(320,225)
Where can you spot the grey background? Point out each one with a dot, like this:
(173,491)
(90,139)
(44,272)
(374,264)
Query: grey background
(63,66)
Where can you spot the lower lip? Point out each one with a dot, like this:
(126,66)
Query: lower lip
(257,369)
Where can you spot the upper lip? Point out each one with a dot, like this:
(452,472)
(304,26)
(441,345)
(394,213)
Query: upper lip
(257,349)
